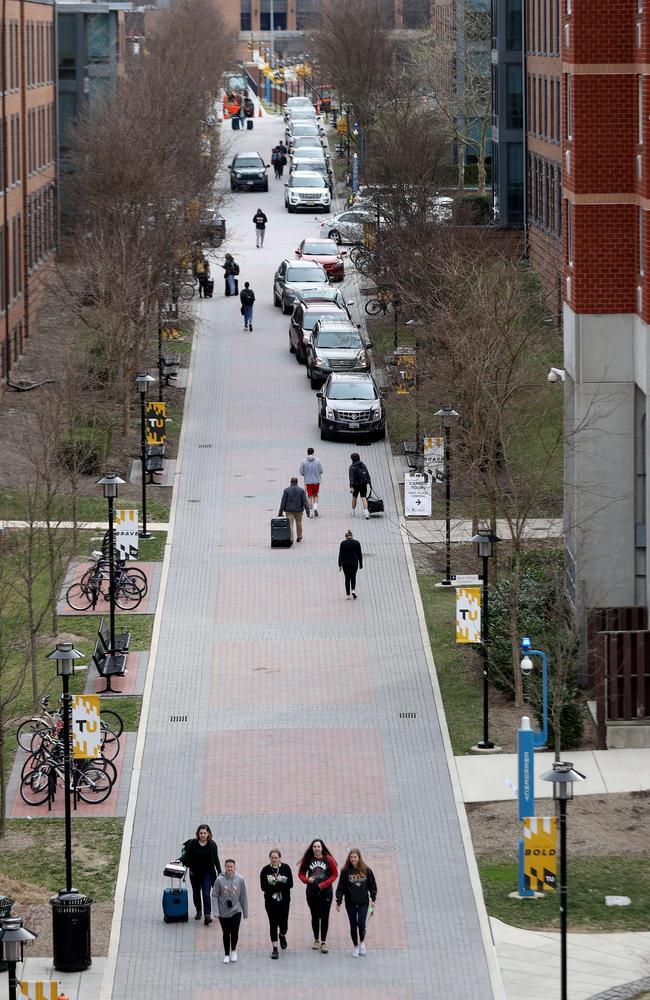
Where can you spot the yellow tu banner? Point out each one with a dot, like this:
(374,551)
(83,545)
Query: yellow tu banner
(86,729)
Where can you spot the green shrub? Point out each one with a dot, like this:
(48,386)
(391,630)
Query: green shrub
(79,453)
(572,724)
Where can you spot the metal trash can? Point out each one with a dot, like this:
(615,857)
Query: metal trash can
(71,931)
(5,911)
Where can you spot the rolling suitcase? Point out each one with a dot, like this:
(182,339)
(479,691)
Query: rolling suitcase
(209,289)
(234,123)
(174,899)
(280,532)
(375,503)
(249,124)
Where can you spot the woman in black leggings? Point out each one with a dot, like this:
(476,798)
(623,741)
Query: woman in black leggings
(350,561)
(357,886)
(318,871)
(276,882)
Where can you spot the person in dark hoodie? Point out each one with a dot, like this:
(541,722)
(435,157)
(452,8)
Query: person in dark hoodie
(357,886)
(201,856)
(293,503)
(260,221)
(311,471)
(318,871)
(276,882)
(350,560)
(359,483)
(247,299)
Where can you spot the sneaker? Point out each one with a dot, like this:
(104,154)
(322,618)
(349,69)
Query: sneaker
(323,947)
(198,915)
(367,516)
(233,956)
(208,920)
(251,329)
(274,953)
(354,595)
(362,948)
(283,942)
(347,597)
(226,959)
(315,946)
(299,539)
(315,511)
(355,951)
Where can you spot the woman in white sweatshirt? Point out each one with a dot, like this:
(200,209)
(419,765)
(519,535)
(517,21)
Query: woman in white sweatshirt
(231,901)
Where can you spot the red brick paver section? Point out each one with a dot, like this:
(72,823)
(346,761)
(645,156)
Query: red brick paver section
(20,809)
(249,597)
(147,605)
(323,771)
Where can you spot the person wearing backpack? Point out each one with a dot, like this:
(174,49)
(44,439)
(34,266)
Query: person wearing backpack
(247,298)
(231,270)
(359,483)
(276,160)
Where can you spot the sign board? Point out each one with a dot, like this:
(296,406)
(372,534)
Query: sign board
(156,422)
(126,534)
(417,495)
(38,989)
(468,614)
(434,458)
(540,853)
(466,580)
(86,734)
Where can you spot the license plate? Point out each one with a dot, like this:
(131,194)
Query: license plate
(250,183)
(353,423)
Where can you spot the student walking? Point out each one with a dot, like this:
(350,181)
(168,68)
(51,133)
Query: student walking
(293,503)
(359,483)
(203,274)
(311,471)
(318,871)
(276,882)
(201,857)
(350,561)
(282,150)
(276,157)
(247,299)
(231,270)
(260,221)
(229,893)
(357,886)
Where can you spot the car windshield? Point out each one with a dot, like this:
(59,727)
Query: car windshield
(328,293)
(306,182)
(352,390)
(247,161)
(309,321)
(304,129)
(339,339)
(305,274)
(321,247)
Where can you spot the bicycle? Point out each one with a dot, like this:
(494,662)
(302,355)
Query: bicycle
(379,305)
(130,587)
(362,258)
(31,733)
(90,780)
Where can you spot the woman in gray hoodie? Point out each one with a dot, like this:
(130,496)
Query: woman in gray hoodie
(231,901)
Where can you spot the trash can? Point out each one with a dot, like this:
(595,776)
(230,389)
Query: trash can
(71,931)
(5,911)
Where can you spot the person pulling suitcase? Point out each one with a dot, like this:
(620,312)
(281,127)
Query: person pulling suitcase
(293,503)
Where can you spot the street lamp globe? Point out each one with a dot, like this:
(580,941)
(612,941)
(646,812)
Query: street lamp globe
(142,381)
(447,414)
(563,776)
(485,541)
(109,484)
(13,937)
(64,655)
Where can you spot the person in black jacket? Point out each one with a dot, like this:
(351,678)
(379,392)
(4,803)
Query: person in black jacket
(359,483)
(350,560)
(357,886)
(201,856)
(247,299)
(276,882)
(293,503)
(260,221)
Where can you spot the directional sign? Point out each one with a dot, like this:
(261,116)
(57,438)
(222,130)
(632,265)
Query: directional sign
(468,614)
(417,495)
(156,423)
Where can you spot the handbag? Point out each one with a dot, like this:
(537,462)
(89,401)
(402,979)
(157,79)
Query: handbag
(375,503)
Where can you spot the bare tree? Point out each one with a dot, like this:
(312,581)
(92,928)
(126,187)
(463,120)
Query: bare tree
(13,662)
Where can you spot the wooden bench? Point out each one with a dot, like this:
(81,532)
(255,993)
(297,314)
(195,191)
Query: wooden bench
(122,639)
(108,666)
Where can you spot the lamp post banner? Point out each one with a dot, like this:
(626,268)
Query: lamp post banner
(38,989)
(156,422)
(468,614)
(540,853)
(126,534)
(86,730)
(434,458)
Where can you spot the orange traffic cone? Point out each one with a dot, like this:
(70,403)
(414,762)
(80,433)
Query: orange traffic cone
(259,111)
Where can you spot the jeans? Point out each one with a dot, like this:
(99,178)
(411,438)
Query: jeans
(259,234)
(201,886)
(350,574)
(319,907)
(230,931)
(357,917)
(248,316)
(297,517)
(230,281)
(278,914)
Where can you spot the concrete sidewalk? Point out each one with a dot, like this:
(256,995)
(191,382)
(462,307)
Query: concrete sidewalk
(433,530)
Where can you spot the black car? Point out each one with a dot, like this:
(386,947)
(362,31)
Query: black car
(248,172)
(212,227)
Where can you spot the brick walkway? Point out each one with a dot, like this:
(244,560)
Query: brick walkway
(292,694)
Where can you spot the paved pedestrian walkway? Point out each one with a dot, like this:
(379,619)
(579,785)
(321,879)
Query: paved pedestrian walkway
(276,710)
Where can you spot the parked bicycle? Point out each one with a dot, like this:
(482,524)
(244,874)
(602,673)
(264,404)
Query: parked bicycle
(130,585)
(362,258)
(383,302)
(32,732)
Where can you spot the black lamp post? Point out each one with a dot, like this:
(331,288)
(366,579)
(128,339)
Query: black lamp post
(448,415)
(109,484)
(563,776)
(13,937)
(143,381)
(485,541)
(161,357)
(417,324)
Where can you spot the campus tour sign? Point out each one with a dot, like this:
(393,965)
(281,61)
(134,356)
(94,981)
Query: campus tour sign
(468,614)
(417,495)
(434,458)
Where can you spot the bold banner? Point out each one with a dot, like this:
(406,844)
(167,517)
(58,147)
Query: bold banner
(86,735)
(126,534)
(417,495)
(468,614)
(434,458)
(540,853)
(41,989)
(156,422)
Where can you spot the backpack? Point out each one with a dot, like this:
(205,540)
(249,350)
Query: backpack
(361,474)
(235,269)
(247,297)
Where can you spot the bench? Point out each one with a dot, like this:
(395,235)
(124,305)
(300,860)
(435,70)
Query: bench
(154,462)
(122,640)
(169,365)
(108,666)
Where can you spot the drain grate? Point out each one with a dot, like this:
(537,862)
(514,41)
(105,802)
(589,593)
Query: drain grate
(178,718)
(204,446)
(408,715)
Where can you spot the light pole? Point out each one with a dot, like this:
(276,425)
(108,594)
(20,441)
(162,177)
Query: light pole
(13,937)
(448,415)
(109,484)
(161,359)
(527,742)
(563,776)
(415,325)
(143,381)
(485,542)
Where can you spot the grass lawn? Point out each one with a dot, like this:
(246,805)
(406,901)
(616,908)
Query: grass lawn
(33,851)
(139,626)
(589,881)
(88,508)
(128,708)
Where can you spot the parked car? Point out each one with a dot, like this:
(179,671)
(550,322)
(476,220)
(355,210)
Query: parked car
(294,274)
(350,405)
(318,165)
(296,102)
(304,317)
(306,142)
(327,253)
(306,189)
(346,227)
(326,293)
(335,345)
(294,129)
(212,227)
(247,172)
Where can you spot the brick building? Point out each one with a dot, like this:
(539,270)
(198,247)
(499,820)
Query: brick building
(27,168)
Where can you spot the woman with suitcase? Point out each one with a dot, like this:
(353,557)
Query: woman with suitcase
(201,857)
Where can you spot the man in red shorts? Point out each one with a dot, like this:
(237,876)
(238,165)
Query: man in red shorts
(311,471)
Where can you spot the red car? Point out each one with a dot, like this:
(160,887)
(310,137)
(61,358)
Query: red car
(325,252)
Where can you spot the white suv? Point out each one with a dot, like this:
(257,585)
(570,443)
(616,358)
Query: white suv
(306,189)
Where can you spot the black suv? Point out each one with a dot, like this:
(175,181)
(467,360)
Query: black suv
(248,172)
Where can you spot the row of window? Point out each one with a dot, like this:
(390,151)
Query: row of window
(544,194)
(41,226)
(543,27)
(41,143)
(13,156)
(416,14)
(544,107)
(38,55)
(11,349)
(9,295)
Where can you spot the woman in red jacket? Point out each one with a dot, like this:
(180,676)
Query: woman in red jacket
(318,871)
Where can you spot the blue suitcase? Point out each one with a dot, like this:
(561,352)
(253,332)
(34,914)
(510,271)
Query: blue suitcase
(175,908)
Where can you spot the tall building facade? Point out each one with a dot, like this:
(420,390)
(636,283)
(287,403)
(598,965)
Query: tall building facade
(27,169)
(508,112)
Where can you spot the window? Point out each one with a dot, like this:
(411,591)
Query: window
(416,14)
(99,41)
(513,25)
(279,15)
(66,46)
(245,17)
(640,101)
(16,246)
(514,96)
(515,188)
(569,106)
(557,110)
(569,232)
(306,13)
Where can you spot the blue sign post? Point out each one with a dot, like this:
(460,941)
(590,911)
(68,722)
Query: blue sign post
(527,741)
(355,173)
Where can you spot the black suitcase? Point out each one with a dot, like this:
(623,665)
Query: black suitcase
(375,503)
(249,124)
(280,532)
(209,289)
(235,123)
